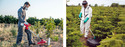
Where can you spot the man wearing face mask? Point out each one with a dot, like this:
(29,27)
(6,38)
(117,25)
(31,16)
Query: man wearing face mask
(21,21)
(85,15)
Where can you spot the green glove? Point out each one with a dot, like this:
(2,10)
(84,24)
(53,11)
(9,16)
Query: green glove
(80,15)
(86,20)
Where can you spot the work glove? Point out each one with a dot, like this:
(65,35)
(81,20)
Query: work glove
(80,15)
(86,20)
(22,24)
(26,22)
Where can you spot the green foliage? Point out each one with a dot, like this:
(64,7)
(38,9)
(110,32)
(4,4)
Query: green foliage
(32,20)
(96,5)
(9,33)
(61,24)
(73,38)
(117,40)
(37,26)
(13,31)
(55,38)
(104,22)
(11,19)
(8,19)
(57,21)
(42,21)
(114,5)
(1,19)
(72,31)
(111,43)
(117,5)
(50,26)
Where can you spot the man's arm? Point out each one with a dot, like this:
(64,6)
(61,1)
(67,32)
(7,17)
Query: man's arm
(80,15)
(20,16)
(89,15)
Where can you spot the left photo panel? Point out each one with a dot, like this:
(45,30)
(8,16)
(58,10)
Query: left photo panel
(35,23)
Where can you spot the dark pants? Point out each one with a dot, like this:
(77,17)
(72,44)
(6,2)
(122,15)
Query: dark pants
(20,34)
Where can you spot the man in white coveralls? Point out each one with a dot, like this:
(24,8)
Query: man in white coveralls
(85,15)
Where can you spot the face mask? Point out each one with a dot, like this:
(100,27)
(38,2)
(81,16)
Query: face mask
(26,8)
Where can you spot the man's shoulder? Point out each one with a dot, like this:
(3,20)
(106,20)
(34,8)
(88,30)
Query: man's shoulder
(20,9)
(89,8)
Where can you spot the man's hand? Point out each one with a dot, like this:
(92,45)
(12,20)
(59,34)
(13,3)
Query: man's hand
(86,20)
(22,24)
(26,22)
(80,15)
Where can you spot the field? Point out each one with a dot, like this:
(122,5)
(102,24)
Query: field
(108,25)
(8,34)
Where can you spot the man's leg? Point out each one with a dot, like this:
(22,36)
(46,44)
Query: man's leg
(20,34)
(86,32)
(82,27)
(28,36)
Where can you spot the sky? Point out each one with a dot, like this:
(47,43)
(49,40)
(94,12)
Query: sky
(99,2)
(46,8)
(39,8)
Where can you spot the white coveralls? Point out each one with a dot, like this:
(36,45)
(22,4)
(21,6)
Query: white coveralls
(85,26)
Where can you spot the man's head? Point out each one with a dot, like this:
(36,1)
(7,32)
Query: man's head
(85,3)
(26,5)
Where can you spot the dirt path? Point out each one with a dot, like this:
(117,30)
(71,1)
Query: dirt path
(82,39)
(58,43)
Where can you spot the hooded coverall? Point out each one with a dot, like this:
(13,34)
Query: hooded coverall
(22,19)
(85,15)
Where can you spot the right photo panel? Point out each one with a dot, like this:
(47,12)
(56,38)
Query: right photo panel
(95,23)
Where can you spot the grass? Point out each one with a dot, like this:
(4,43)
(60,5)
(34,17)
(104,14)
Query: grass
(8,36)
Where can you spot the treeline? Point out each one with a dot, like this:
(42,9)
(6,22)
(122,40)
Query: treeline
(112,5)
(116,5)
(96,5)
(9,19)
